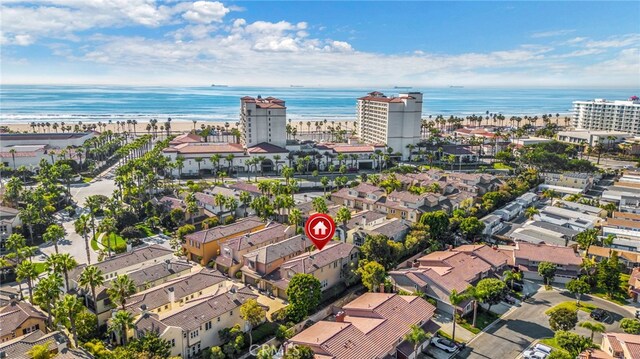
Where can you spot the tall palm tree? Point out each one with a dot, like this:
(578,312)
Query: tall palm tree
(47,293)
(530,212)
(82,227)
(120,323)
(121,289)
(416,337)
(456,298)
(66,262)
(91,278)
(593,327)
(295,216)
(26,270)
(53,234)
(67,311)
(511,276)
(245,199)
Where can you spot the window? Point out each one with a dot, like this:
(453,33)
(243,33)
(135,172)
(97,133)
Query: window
(218,319)
(207,326)
(231,313)
(335,264)
(173,342)
(324,284)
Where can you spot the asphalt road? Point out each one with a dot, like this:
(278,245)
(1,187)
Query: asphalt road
(516,330)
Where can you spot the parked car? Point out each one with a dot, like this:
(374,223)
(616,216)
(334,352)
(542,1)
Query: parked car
(444,344)
(599,314)
(532,354)
(509,299)
(543,348)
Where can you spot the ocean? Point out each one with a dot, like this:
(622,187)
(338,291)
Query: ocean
(27,103)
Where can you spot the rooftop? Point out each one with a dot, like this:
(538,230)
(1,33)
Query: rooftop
(18,348)
(135,257)
(205,148)
(16,313)
(225,231)
(547,253)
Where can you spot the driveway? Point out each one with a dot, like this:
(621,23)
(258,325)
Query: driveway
(516,330)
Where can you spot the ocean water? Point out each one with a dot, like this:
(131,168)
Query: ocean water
(26,103)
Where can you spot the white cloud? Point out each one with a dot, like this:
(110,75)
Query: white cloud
(615,41)
(206,12)
(553,33)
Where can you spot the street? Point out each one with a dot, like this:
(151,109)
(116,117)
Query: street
(514,332)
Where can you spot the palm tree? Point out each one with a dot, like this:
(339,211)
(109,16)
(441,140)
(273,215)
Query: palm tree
(121,289)
(295,216)
(120,323)
(13,157)
(343,216)
(510,276)
(530,212)
(456,298)
(416,336)
(53,234)
(66,313)
(47,292)
(26,270)
(81,226)
(91,278)
(66,263)
(245,199)
(324,181)
(41,351)
(593,327)
(471,294)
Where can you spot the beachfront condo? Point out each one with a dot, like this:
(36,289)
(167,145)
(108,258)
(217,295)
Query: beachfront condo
(601,114)
(263,120)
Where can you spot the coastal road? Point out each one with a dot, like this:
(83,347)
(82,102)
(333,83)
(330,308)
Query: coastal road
(515,331)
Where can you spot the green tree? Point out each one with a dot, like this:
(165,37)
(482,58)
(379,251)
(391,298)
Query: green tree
(216,353)
(150,346)
(578,287)
(593,327)
(416,336)
(573,343)
(86,325)
(65,263)
(295,216)
(379,248)
(455,299)
(121,289)
(343,217)
(120,323)
(587,238)
(47,293)
(82,225)
(319,205)
(299,352)
(563,319)
(471,227)
(438,223)
(325,182)
(304,293)
(67,312)
(530,212)
(41,351)
(53,234)
(511,276)
(26,270)
(609,275)
(630,325)
(266,352)
(91,278)
(547,271)
(254,314)
(372,274)
(490,291)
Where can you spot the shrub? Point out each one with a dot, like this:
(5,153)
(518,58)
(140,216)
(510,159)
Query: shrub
(210,222)
(279,315)
(184,230)
(131,233)
(229,220)
(238,275)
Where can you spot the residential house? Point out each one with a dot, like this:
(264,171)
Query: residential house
(170,203)
(569,182)
(527,199)
(363,196)
(623,225)
(178,292)
(544,232)
(629,204)
(615,346)
(437,274)
(630,259)
(265,260)
(20,318)
(328,265)
(567,218)
(373,325)
(492,224)
(9,221)
(58,345)
(510,211)
(580,207)
(232,251)
(634,284)
(194,328)
(527,256)
(203,246)
(359,221)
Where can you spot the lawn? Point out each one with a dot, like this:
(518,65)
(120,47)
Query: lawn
(620,297)
(112,240)
(41,267)
(442,334)
(145,229)
(501,166)
(483,319)
(573,306)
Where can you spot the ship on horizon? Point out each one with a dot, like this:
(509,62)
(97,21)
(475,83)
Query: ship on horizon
(403,87)
(456,87)
(214,85)
(296,86)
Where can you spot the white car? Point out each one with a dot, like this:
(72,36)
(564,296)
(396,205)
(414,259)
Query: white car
(444,344)
(532,354)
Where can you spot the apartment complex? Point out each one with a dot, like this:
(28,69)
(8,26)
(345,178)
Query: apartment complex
(394,121)
(592,138)
(600,114)
(262,120)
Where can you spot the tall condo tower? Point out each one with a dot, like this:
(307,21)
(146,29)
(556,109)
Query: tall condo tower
(600,114)
(263,120)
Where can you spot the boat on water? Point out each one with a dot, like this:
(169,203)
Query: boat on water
(402,87)
(214,85)
(296,86)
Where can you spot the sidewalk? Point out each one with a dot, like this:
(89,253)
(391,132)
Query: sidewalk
(446,325)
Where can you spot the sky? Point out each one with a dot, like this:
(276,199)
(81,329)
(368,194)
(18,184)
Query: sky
(331,44)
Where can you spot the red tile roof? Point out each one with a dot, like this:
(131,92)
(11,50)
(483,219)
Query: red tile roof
(218,232)
(206,148)
(265,147)
(547,253)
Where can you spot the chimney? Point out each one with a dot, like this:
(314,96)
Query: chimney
(172,295)
(234,294)
(416,264)
(61,343)
(169,265)
(381,287)
(143,309)
(364,220)
(340,317)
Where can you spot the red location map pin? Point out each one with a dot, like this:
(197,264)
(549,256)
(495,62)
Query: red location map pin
(320,228)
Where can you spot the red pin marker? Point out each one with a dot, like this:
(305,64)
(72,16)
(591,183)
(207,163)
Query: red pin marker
(320,228)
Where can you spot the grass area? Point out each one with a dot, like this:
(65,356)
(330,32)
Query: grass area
(620,297)
(145,229)
(112,240)
(573,306)
(501,166)
(551,342)
(263,332)
(87,179)
(41,267)
(442,334)
(94,245)
(483,319)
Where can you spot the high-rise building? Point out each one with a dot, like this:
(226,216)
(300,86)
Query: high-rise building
(601,114)
(394,121)
(263,120)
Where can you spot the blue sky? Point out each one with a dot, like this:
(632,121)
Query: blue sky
(355,43)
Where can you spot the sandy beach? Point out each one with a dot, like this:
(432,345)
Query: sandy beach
(185,126)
